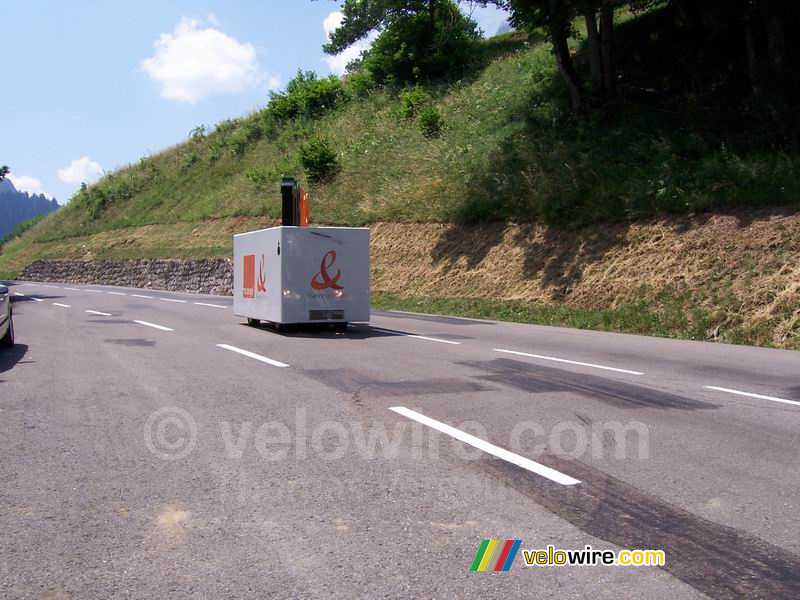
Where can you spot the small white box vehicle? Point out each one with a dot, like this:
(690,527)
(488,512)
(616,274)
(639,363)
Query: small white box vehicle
(296,274)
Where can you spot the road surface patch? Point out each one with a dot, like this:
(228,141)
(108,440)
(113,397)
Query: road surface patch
(485,446)
(569,362)
(253,355)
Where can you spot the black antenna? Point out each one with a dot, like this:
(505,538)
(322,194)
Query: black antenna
(290,196)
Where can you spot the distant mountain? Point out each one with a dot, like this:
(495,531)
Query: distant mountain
(16,207)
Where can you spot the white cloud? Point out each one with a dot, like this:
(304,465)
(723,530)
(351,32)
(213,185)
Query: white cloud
(193,62)
(81,170)
(338,63)
(26,183)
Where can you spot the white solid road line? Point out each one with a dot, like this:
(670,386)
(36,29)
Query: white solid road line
(97,312)
(72,289)
(173,300)
(117,293)
(94,291)
(569,362)
(264,359)
(212,305)
(141,296)
(419,337)
(751,395)
(61,305)
(485,446)
(154,326)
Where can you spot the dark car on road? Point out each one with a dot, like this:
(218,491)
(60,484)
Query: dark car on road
(6,320)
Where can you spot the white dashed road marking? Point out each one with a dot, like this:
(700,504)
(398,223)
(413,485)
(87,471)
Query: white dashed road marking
(751,395)
(485,446)
(61,305)
(154,326)
(97,312)
(264,359)
(569,362)
(419,337)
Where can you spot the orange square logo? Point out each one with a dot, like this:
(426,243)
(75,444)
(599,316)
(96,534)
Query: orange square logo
(249,276)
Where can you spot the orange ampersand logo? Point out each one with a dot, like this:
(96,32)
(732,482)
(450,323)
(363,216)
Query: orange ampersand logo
(327,280)
(262,279)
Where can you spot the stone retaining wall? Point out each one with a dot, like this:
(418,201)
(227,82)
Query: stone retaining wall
(213,276)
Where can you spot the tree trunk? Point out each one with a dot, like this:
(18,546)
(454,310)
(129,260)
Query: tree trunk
(607,46)
(752,58)
(776,42)
(593,37)
(566,68)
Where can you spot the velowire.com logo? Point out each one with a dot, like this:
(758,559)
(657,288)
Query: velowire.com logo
(495,555)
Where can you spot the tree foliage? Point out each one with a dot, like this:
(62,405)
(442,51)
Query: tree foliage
(307,95)
(4,170)
(417,39)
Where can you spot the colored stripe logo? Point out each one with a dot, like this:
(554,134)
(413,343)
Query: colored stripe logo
(495,555)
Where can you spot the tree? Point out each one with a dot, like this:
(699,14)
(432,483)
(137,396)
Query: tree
(556,18)
(4,170)
(417,38)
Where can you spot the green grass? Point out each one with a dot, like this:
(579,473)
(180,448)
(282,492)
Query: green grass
(671,315)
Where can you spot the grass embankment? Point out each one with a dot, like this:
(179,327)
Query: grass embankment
(665,319)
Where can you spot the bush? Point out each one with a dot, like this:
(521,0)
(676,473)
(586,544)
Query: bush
(430,122)
(405,53)
(307,96)
(319,160)
(360,83)
(412,100)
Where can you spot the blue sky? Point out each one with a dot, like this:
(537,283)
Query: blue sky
(95,84)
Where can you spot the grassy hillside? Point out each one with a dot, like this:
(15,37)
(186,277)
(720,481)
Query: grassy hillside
(510,151)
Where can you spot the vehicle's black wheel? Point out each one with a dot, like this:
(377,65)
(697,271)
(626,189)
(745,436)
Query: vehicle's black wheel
(8,338)
(253,322)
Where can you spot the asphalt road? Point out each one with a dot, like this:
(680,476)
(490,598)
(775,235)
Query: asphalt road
(153,446)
